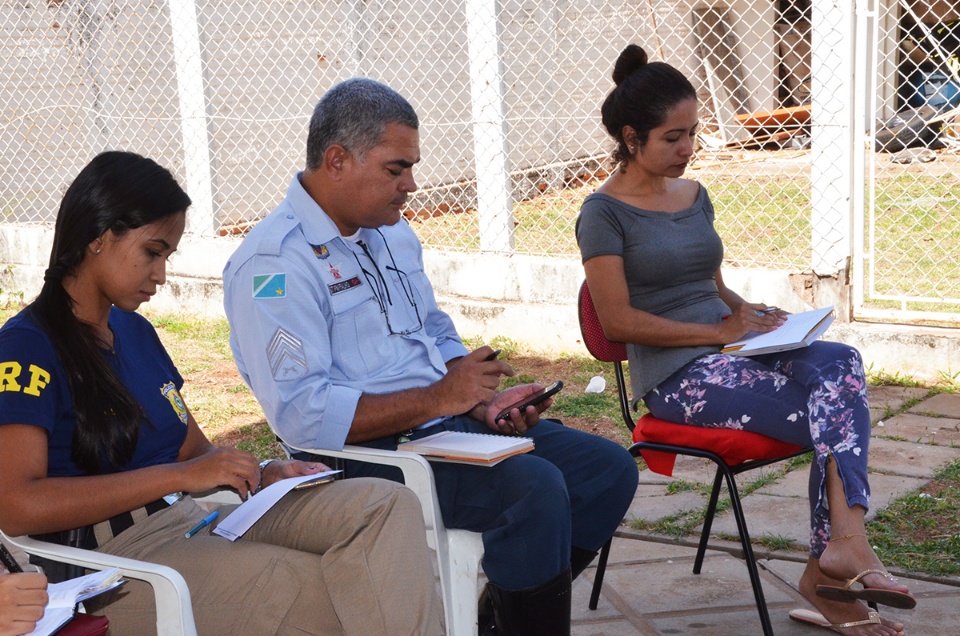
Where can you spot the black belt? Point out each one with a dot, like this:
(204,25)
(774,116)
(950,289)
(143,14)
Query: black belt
(93,536)
(90,538)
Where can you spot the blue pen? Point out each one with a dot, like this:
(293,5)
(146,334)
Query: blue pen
(203,524)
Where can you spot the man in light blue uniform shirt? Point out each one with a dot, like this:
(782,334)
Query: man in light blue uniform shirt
(335,327)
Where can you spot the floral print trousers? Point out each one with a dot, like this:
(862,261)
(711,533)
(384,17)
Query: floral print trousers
(814,396)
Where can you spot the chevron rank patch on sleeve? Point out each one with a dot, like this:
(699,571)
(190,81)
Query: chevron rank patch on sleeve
(288,361)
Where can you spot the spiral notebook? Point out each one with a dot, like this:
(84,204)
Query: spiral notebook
(474,448)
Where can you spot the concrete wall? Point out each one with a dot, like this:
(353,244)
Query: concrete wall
(532,300)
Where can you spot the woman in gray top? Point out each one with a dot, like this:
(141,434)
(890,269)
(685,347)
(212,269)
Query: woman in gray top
(652,261)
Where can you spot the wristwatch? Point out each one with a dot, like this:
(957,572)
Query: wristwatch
(263,466)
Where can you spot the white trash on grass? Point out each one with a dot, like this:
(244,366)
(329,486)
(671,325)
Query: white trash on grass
(597,385)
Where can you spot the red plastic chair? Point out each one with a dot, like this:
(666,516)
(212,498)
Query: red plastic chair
(659,442)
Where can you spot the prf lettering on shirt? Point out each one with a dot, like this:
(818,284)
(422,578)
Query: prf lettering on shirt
(35,378)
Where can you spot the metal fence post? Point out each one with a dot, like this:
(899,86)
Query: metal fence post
(832,135)
(491,147)
(185,31)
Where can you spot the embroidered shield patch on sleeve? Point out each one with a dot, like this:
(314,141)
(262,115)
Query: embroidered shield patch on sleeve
(286,356)
(270,286)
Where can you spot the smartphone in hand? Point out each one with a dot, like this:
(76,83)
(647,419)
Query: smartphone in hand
(531,400)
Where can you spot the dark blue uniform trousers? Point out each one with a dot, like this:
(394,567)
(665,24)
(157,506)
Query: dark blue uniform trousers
(573,489)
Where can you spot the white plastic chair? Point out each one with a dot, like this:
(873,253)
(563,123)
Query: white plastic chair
(458,551)
(174,609)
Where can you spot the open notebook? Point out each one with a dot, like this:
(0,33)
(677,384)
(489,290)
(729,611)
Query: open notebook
(476,448)
(798,331)
(63,598)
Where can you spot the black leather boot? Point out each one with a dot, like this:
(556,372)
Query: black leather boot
(542,610)
(485,621)
(580,559)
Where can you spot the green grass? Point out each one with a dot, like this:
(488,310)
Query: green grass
(919,532)
(777,542)
(764,221)
(917,236)
(586,405)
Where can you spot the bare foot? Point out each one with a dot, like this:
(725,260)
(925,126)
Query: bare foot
(846,557)
(840,612)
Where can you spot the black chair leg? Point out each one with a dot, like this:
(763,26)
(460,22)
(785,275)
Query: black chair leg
(601,569)
(708,520)
(748,555)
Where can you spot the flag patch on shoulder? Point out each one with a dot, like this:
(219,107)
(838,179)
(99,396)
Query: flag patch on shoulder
(270,286)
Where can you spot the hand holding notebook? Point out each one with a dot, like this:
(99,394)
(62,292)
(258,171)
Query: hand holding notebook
(799,330)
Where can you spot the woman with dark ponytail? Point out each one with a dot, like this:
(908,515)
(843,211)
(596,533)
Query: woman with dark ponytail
(140,193)
(98,449)
(652,262)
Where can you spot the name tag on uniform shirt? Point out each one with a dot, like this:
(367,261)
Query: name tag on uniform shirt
(344,285)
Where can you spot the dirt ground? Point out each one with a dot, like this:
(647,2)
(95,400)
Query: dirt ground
(212,387)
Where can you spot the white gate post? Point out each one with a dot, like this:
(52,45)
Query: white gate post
(197,167)
(491,148)
(832,135)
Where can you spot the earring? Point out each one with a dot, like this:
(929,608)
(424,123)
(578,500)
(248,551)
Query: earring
(96,251)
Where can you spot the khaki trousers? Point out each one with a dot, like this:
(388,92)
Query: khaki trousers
(349,557)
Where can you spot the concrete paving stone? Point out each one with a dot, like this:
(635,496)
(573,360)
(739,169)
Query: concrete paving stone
(741,622)
(891,398)
(614,627)
(766,515)
(943,404)
(909,459)
(770,512)
(656,508)
(933,616)
(787,571)
(703,471)
(671,586)
(649,478)
(694,469)
(793,484)
(885,489)
(580,603)
(911,427)
(652,490)
(630,552)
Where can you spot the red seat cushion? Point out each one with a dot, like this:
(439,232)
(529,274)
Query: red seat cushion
(735,447)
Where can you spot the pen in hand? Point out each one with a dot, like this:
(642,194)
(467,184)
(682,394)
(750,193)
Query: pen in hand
(203,524)
(760,313)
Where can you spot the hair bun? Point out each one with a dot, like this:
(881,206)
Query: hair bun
(630,59)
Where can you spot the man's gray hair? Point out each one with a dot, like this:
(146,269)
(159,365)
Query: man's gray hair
(355,114)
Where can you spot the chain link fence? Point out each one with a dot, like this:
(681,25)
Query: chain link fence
(508,92)
(913,190)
